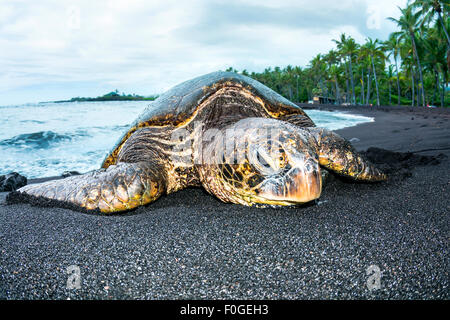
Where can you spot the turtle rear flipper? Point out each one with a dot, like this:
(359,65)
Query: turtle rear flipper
(338,155)
(120,187)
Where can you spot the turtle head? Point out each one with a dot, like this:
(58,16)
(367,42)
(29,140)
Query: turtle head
(262,161)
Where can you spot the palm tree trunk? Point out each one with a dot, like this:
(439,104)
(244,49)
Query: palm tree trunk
(338,95)
(413,96)
(443,89)
(346,83)
(413,38)
(438,85)
(368,87)
(376,82)
(444,28)
(363,102)
(390,99)
(351,79)
(418,90)
(398,82)
(322,88)
(448,59)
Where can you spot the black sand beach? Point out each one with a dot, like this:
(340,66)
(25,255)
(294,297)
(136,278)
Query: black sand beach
(191,246)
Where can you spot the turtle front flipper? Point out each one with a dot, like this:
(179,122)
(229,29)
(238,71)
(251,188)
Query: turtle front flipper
(118,188)
(338,155)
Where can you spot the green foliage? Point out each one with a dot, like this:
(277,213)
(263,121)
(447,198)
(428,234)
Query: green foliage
(413,58)
(113,96)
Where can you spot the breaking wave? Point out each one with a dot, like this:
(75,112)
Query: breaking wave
(39,140)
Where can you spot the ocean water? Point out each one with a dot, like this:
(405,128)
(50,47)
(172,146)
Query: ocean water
(46,139)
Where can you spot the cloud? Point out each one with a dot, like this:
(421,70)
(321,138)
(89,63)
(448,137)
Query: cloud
(148,46)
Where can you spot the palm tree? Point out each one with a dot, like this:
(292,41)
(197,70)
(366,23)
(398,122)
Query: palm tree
(392,46)
(409,23)
(332,58)
(419,63)
(318,67)
(434,59)
(364,65)
(430,8)
(231,69)
(407,65)
(298,74)
(374,51)
(390,76)
(369,81)
(348,47)
(362,85)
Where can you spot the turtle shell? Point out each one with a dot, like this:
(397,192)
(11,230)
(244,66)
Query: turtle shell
(177,106)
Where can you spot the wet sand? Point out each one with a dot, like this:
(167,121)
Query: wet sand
(191,246)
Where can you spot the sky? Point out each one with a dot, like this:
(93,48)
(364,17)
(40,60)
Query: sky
(54,49)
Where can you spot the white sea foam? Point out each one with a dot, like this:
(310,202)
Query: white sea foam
(336,120)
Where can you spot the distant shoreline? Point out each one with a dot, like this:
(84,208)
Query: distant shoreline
(112,96)
(95,99)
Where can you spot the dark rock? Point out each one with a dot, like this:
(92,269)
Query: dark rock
(399,163)
(405,159)
(66,174)
(12,181)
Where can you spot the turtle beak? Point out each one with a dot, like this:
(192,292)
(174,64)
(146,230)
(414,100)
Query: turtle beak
(299,185)
(302,187)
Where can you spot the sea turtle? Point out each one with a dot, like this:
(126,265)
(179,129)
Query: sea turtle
(241,141)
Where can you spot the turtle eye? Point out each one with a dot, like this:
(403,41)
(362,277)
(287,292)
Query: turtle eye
(261,161)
